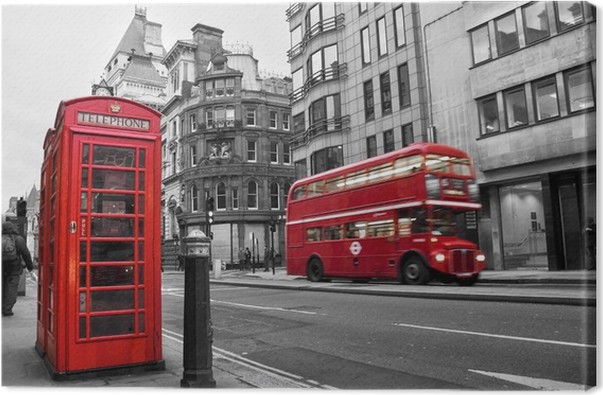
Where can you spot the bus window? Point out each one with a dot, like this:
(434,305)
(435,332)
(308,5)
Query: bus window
(407,165)
(313,234)
(404,223)
(419,221)
(356,230)
(355,179)
(381,228)
(380,172)
(462,167)
(299,192)
(437,163)
(334,184)
(315,188)
(333,232)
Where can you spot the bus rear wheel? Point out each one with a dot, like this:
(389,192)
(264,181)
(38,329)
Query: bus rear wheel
(315,270)
(414,272)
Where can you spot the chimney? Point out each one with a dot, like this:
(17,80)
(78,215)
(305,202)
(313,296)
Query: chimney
(209,41)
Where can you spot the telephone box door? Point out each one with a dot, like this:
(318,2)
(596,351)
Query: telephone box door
(113,273)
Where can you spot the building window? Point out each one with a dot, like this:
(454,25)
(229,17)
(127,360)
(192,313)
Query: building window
(273,119)
(362,7)
(407,135)
(516,108)
(193,155)
(369,101)
(296,37)
(545,98)
(480,42)
(235,199)
(535,22)
(252,195)
(579,87)
(365,45)
(221,196)
(286,153)
(174,170)
(230,86)
(371,146)
(299,123)
(327,159)
(569,14)
(250,118)
(193,123)
(209,89)
(273,152)
(488,115)
(506,34)
(386,93)
(209,118)
(251,151)
(381,37)
(219,88)
(388,141)
(286,121)
(194,199)
(399,27)
(274,196)
(301,169)
(230,116)
(404,85)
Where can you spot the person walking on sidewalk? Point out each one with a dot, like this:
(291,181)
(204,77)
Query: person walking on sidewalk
(14,248)
(241,258)
(247,258)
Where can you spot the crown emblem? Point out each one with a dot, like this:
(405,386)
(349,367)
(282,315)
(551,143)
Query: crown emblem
(115,107)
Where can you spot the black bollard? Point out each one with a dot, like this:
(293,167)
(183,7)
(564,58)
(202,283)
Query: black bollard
(198,333)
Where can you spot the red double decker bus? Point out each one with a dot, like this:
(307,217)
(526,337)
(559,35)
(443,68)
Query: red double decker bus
(392,216)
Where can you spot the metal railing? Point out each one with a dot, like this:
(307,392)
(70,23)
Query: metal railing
(331,125)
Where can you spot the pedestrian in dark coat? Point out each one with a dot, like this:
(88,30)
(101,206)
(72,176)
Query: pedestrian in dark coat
(14,249)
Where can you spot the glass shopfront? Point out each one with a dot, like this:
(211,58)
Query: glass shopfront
(523,229)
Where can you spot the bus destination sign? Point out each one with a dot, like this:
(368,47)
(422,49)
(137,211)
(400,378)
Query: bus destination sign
(87,118)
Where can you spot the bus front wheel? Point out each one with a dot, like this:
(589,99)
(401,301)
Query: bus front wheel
(315,270)
(414,271)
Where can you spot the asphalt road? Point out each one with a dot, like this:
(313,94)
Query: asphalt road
(374,342)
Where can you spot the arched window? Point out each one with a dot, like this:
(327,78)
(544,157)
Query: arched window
(252,195)
(221,195)
(274,196)
(194,199)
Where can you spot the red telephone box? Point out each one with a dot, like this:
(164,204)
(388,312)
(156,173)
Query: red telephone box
(99,287)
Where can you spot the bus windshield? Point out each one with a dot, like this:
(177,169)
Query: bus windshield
(448,164)
(444,221)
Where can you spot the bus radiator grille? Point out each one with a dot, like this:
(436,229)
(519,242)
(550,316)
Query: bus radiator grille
(462,261)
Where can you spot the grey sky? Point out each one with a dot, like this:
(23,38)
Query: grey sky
(55,52)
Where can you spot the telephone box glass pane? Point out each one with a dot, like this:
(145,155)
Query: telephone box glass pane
(113,179)
(82,276)
(141,228)
(141,158)
(82,327)
(141,204)
(111,325)
(141,298)
(114,156)
(111,251)
(84,178)
(141,323)
(112,227)
(86,154)
(140,275)
(108,203)
(83,252)
(141,181)
(84,202)
(112,300)
(101,276)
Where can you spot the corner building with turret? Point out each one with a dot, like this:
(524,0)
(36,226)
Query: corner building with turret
(226,135)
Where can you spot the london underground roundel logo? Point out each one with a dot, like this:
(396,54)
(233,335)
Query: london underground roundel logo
(355,248)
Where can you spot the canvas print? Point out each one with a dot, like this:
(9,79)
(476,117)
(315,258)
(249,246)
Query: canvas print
(320,195)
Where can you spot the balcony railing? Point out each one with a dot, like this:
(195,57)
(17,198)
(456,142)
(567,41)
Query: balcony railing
(318,28)
(335,72)
(293,9)
(336,124)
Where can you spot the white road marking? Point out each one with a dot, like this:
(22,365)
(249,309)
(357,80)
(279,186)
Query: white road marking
(296,380)
(528,339)
(251,306)
(536,383)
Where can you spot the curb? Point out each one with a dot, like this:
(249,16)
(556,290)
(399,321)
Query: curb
(552,300)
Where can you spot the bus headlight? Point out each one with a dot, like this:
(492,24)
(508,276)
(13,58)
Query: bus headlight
(440,257)
(480,258)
